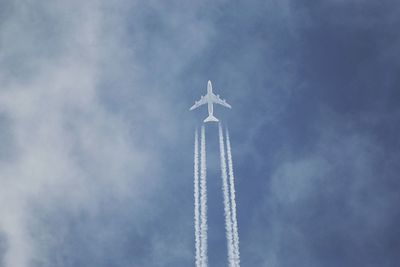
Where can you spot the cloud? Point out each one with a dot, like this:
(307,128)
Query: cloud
(67,149)
(327,205)
(96,137)
(89,127)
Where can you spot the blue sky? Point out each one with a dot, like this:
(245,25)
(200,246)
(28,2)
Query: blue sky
(96,140)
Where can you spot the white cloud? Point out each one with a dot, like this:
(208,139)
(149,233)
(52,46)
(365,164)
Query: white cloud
(67,144)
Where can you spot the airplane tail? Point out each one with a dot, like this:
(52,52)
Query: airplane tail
(210,118)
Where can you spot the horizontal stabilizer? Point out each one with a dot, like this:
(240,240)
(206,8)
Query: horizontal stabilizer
(210,118)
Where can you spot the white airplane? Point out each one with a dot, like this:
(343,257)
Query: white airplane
(210,98)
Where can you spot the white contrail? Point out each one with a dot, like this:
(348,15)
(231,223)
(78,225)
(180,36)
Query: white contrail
(233,200)
(196,199)
(227,206)
(203,200)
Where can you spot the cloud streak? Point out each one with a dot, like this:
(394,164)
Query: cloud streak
(232,191)
(226,198)
(203,199)
(197,202)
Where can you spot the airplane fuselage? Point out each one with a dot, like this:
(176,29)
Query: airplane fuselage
(209,100)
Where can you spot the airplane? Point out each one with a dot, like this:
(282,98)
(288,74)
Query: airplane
(210,98)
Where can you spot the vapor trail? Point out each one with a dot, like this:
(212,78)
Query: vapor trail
(227,205)
(196,199)
(233,200)
(203,199)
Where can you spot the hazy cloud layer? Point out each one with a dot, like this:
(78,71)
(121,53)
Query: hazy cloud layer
(96,138)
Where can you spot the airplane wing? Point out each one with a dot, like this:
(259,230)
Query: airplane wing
(217,100)
(197,104)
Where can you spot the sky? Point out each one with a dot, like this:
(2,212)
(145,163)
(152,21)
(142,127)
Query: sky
(96,139)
